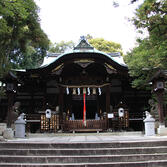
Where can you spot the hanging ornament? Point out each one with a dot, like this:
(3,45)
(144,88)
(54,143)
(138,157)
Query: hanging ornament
(84,90)
(74,91)
(88,91)
(78,91)
(67,90)
(94,91)
(99,91)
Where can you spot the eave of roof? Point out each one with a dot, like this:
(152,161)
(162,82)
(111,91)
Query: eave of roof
(116,57)
(83,47)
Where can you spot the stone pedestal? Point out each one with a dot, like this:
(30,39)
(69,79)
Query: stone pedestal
(162,130)
(20,127)
(149,123)
(3,127)
(8,133)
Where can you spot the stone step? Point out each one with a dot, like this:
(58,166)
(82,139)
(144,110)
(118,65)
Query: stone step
(123,144)
(155,163)
(84,151)
(116,154)
(82,159)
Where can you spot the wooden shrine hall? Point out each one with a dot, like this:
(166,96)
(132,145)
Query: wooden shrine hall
(81,90)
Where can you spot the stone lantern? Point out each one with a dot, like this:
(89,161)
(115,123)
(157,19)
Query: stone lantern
(158,81)
(158,85)
(10,92)
(11,86)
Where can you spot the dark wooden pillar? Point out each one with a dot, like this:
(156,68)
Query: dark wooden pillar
(108,99)
(107,105)
(32,103)
(98,105)
(61,104)
(10,92)
(159,95)
(44,101)
(158,89)
(10,96)
(69,101)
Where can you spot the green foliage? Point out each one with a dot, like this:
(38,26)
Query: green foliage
(152,15)
(116,2)
(19,31)
(151,53)
(88,36)
(142,62)
(61,47)
(104,45)
(98,43)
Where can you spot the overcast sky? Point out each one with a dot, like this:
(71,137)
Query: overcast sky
(69,19)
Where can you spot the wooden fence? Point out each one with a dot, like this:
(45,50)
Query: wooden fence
(91,125)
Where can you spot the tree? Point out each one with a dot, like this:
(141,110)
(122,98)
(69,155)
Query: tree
(151,53)
(104,45)
(22,40)
(61,47)
(116,2)
(98,43)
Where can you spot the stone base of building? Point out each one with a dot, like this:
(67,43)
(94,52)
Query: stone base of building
(8,133)
(3,127)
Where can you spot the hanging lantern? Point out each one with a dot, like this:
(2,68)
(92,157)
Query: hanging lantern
(84,90)
(94,91)
(74,91)
(88,89)
(158,85)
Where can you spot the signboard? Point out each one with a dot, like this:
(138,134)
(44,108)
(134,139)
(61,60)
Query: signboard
(110,115)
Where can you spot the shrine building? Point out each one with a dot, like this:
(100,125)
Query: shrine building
(80,90)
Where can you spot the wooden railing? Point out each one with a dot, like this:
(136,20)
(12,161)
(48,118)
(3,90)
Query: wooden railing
(91,125)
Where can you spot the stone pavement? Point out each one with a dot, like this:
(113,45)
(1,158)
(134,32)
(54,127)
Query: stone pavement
(88,137)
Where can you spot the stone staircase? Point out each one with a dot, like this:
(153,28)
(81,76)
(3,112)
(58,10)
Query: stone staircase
(113,154)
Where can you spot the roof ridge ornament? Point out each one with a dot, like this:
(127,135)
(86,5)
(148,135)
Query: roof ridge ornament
(83,44)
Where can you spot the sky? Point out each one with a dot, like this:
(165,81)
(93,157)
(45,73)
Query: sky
(69,19)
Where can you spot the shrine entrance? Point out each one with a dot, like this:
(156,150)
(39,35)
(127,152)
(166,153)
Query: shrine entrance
(91,122)
(91,107)
(77,109)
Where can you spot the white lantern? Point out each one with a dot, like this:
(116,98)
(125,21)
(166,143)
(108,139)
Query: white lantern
(121,112)
(48,113)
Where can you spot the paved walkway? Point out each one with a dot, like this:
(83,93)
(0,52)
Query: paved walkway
(88,137)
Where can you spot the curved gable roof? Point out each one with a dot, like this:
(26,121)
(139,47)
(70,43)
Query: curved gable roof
(115,57)
(83,50)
